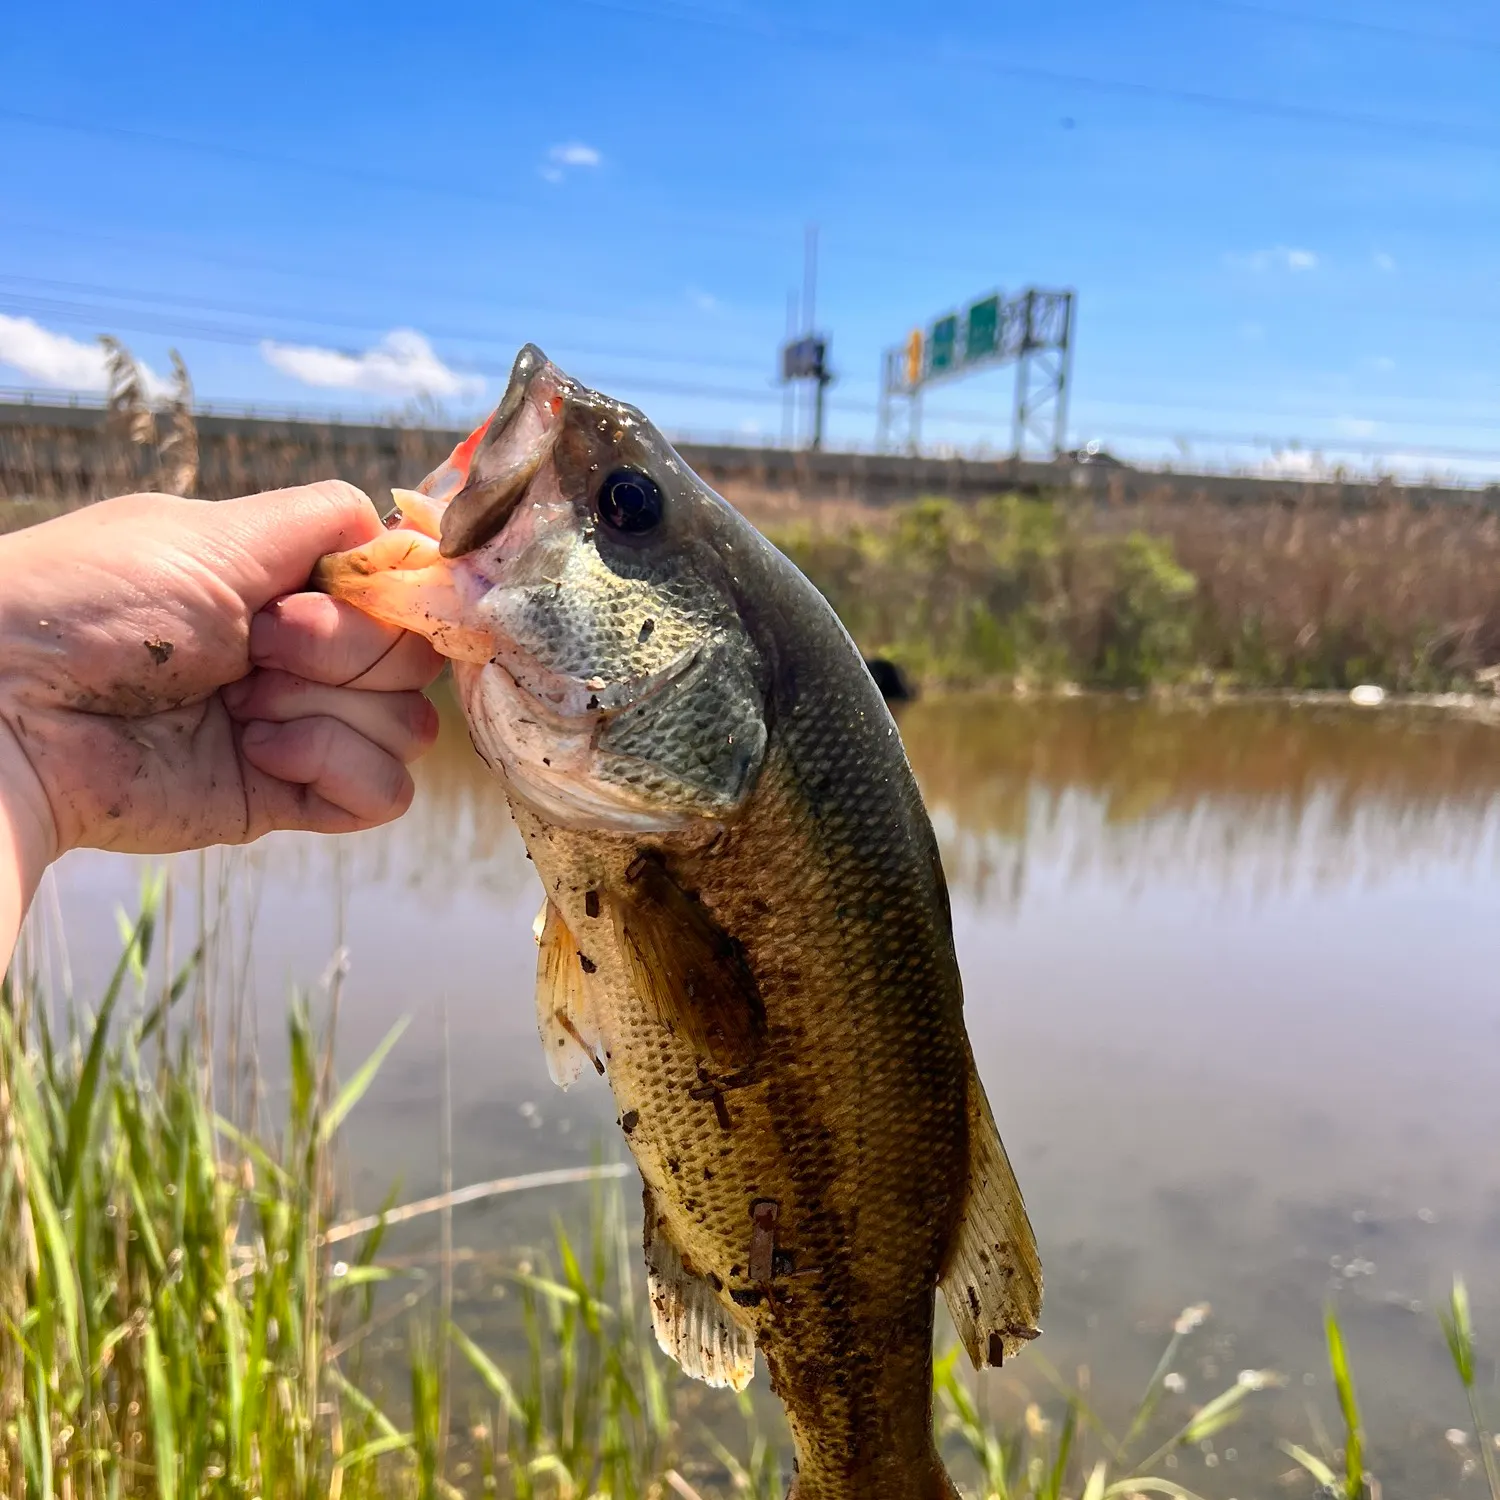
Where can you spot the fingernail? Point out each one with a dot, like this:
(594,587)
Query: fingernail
(264,628)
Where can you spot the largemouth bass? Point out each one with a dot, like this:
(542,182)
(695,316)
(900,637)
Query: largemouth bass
(746,925)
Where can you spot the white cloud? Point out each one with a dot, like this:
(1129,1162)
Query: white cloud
(703,301)
(55,359)
(1295,463)
(1384,262)
(401,364)
(573,154)
(1278,258)
(1357,427)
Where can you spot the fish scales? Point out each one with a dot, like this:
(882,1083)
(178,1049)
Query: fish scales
(746,927)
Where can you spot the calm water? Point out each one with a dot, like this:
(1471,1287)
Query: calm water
(1233,980)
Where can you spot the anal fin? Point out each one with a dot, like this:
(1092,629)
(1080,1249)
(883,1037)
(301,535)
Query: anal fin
(563,1014)
(691,1323)
(992,1279)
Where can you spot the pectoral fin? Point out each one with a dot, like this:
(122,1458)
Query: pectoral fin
(563,1015)
(691,1324)
(993,1276)
(691,972)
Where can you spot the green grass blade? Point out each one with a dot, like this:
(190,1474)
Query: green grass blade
(488,1371)
(163,1430)
(159,1012)
(353,1091)
(1311,1462)
(1343,1382)
(1458,1330)
(82,1112)
(391,1442)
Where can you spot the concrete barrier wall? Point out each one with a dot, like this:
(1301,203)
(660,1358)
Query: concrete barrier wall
(58,457)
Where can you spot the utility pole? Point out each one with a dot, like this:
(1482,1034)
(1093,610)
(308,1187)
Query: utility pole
(804,356)
(788,390)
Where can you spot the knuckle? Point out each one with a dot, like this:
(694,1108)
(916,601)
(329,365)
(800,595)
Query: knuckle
(321,735)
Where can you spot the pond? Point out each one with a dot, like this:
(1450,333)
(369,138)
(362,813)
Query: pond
(1232,978)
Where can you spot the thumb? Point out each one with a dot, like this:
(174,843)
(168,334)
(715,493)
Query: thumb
(267,544)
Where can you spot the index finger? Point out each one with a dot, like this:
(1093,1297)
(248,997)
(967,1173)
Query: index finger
(328,641)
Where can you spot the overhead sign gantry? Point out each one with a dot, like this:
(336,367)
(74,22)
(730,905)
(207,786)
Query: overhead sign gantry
(1034,329)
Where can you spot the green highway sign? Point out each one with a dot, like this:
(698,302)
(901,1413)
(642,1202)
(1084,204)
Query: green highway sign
(981,335)
(942,344)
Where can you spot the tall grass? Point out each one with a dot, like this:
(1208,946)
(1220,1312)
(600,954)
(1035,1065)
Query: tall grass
(177,1319)
(1041,590)
(184,1313)
(162,1282)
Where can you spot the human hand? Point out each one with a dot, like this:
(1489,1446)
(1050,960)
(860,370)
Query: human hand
(163,686)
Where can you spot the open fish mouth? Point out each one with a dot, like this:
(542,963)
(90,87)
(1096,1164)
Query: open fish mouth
(478,556)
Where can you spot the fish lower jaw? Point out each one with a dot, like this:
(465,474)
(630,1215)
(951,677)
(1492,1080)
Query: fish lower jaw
(547,760)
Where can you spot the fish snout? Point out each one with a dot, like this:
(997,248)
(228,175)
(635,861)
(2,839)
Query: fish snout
(401,579)
(511,449)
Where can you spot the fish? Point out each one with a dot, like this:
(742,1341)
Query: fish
(746,925)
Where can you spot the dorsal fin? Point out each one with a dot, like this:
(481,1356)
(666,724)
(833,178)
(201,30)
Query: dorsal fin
(563,1014)
(992,1278)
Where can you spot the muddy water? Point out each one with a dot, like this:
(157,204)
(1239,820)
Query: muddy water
(1233,980)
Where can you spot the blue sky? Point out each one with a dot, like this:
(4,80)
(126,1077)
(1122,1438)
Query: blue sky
(1283,222)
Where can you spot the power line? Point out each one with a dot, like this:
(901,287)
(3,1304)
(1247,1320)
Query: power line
(146,322)
(1354,24)
(300,271)
(1006,67)
(370,176)
(775,30)
(467,333)
(999,65)
(135,321)
(1308,114)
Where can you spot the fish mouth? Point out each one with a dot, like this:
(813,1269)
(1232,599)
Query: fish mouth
(455,539)
(498,461)
(427,573)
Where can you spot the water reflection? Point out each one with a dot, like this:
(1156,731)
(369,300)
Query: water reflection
(1252,799)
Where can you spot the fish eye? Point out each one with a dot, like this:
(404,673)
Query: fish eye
(629,501)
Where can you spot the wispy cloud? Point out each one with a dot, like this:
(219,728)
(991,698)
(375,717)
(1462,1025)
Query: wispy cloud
(1383,363)
(1384,262)
(403,363)
(1295,463)
(561,159)
(703,301)
(66,363)
(1278,258)
(1357,427)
